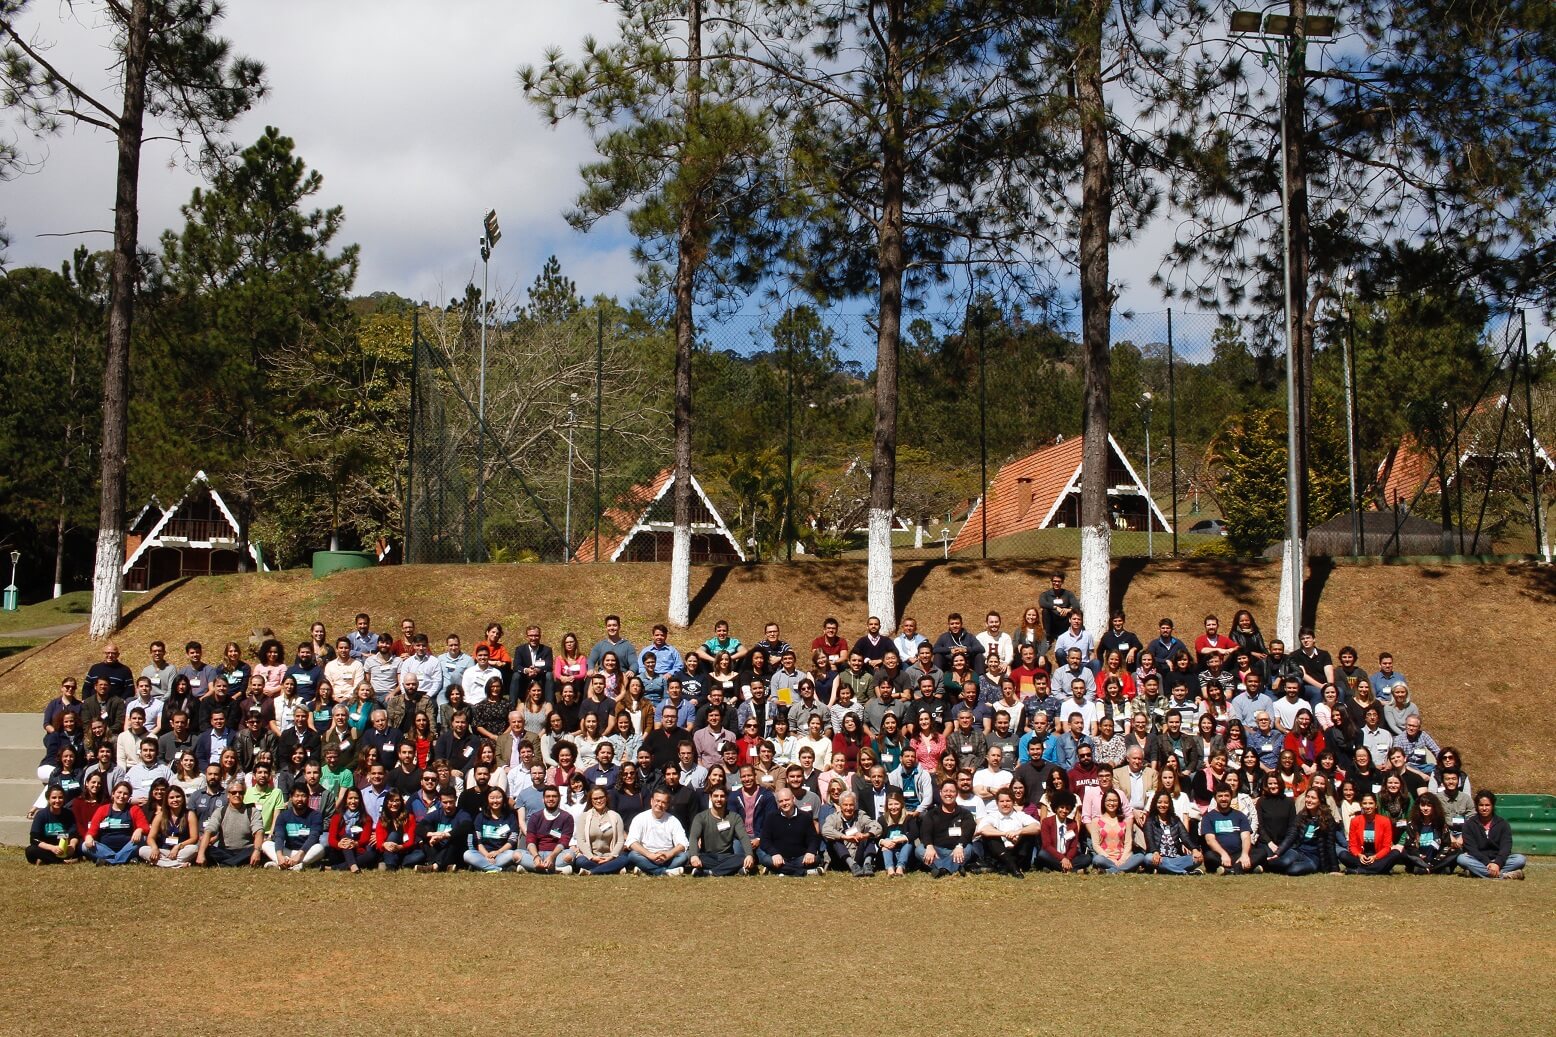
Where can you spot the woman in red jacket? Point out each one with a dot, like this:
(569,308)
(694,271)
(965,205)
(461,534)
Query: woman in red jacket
(352,839)
(395,835)
(1371,846)
(1059,838)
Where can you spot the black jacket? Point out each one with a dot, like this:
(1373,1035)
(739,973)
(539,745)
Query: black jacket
(1488,846)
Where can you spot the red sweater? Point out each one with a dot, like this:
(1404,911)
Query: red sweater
(407,839)
(1382,835)
(366,839)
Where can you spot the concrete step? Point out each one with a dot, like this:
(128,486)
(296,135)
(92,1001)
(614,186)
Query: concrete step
(14,830)
(17,795)
(18,761)
(21,729)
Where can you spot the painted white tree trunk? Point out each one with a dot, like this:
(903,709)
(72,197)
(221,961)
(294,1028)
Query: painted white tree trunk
(107,584)
(1288,614)
(1096,565)
(680,613)
(918,536)
(882,595)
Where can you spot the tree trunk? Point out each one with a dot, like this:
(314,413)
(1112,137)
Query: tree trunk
(107,579)
(66,474)
(889,266)
(1096,318)
(1294,181)
(689,252)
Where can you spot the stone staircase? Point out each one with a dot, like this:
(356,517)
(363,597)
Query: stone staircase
(21,747)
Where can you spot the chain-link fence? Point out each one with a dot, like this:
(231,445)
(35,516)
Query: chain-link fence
(574,457)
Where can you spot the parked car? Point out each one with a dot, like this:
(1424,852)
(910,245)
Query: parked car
(1209,526)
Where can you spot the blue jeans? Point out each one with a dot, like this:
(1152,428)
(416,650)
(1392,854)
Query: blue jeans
(1515,862)
(613,866)
(121,856)
(943,861)
(527,861)
(648,867)
(1175,865)
(476,860)
(794,866)
(897,856)
(1106,864)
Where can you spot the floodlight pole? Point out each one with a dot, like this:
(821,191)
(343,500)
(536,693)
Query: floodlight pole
(489,238)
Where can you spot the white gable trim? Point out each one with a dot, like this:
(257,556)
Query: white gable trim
(1069,487)
(642,525)
(1144,492)
(154,538)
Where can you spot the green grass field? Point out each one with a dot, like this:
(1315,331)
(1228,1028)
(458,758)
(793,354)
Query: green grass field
(67,608)
(135,951)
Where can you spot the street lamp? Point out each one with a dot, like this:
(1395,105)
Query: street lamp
(1145,419)
(490,235)
(567,521)
(1280,28)
(10,592)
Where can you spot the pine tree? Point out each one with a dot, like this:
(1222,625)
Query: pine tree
(175,71)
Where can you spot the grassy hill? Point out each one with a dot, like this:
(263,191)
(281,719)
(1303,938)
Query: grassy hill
(1462,634)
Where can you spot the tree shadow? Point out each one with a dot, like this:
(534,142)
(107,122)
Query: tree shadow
(1124,572)
(909,579)
(1320,568)
(717,574)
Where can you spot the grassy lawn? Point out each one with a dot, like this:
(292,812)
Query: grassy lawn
(834,955)
(67,608)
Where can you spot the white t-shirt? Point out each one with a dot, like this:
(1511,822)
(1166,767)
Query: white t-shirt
(1285,712)
(656,833)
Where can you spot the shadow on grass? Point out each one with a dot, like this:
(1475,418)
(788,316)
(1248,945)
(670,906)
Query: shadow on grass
(1320,568)
(910,579)
(710,587)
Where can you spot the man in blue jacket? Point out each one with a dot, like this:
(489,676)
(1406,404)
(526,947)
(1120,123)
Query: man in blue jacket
(296,841)
(790,841)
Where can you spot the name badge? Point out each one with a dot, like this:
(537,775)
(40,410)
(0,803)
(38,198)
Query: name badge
(723,826)
(1224,827)
(955,830)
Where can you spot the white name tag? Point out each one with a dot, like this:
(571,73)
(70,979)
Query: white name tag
(955,830)
(723,826)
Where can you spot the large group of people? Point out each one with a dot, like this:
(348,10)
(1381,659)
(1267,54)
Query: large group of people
(1045,746)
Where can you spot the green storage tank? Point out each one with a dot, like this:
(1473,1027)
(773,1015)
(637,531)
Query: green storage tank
(326,562)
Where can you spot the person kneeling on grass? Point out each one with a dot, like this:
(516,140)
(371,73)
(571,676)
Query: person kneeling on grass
(947,841)
(297,838)
(352,843)
(719,844)
(1309,842)
(548,834)
(1008,835)
(1370,849)
(1112,837)
(851,837)
(113,837)
(1488,843)
(656,841)
(1168,844)
(53,838)
(494,834)
(790,842)
(1060,841)
(1227,835)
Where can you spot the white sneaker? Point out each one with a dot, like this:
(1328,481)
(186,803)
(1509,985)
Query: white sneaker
(812,871)
(565,869)
(271,864)
(675,871)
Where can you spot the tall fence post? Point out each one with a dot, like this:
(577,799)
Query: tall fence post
(599,409)
(788,452)
(1172,428)
(407,521)
(983,435)
(1534,457)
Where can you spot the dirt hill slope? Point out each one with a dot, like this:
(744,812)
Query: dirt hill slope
(1462,634)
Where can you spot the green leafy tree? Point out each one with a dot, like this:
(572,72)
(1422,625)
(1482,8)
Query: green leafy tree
(1250,459)
(257,270)
(172,69)
(683,148)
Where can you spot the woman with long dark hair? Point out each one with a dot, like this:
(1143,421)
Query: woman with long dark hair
(1428,844)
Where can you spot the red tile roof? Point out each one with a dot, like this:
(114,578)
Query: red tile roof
(616,522)
(1023,492)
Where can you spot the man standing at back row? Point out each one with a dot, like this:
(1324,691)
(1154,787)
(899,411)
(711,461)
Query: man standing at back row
(1056,604)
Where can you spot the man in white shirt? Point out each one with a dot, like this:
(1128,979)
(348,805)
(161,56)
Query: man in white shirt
(475,678)
(908,640)
(147,770)
(995,642)
(992,777)
(656,840)
(454,663)
(426,667)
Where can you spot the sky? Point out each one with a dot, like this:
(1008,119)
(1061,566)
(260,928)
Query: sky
(412,114)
